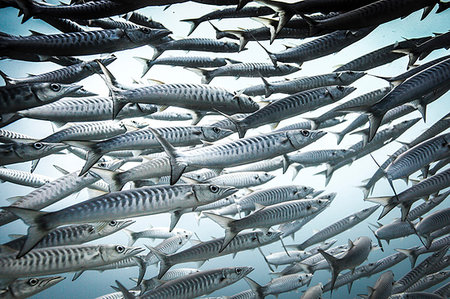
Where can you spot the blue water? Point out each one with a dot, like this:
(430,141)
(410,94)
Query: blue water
(345,181)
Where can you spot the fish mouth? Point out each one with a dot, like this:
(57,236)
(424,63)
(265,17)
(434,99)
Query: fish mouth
(80,92)
(134,250)
(229,191)
(247,270)
(126,223)
(54,280)
(60,146)
(320,134)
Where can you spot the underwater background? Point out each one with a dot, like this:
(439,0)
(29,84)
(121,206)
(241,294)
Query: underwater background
(345,181)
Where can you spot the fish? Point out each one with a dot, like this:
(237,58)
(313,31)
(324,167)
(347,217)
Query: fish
(279,285)
(19,97)
(429,281)
(293,105)
(406,198)
(338,227)
(24,178)
(241,179)
(62,259)
(394,230)
(67,75)
(74,234)
(382,288)
(250,69)
(431,223)
(144,201)
(23,288)
(203,251)
(265,217)
(17,152)
(153,233)
(314,292)
(425,267)
(422,50)
(353,257)
(195,284)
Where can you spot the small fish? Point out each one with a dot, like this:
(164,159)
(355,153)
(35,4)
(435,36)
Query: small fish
(24,288)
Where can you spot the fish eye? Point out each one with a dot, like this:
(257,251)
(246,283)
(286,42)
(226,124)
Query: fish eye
(38,145)
(308,207)
(120,248)
(179,243)
(255,177)
(214,188)
(113,223)
(269,233)
(145,30)
(216,130)
(55,87)
(33,281)
(319,201)
(102,164)
(305,133)
(238,271)
(304,188)
(339,87)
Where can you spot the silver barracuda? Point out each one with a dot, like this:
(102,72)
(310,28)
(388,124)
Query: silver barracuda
(280,284)
(383,286)
(154,233)
(18,152)
(24,178)
(139,202)
(24,288)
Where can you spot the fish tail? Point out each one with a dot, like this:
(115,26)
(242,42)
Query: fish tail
(132,236)
(121,288)
(194,24)
(157,52)
(37,228)
(334,265)
(112,178)
(8,118)
(307,268)
(165,264)
(268,88)
(8,79)
(177,168)
(27,8)
(205,74)
(224,222)
(442,6)
(411,253)
(313,25)
(405,207)
(147,63)
(374,123)
(142,268)
(296,170)
(257,289)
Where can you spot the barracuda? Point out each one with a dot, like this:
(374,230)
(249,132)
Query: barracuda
(62,259)
(138,202)
(304,83)
(432,223)
(210,249)
(429,281)
(24,178)
(406,198)
(74,234)
(18,152)
(238,152)
(67,75)
(382,287)
(419,156)
(154,233)
(296,104)
(251,69)
(338,227)
(280,284)
(23,96)
(25,288)
(80,43)
(267,217)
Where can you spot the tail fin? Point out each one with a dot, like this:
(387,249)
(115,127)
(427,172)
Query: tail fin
(272,56)
(123,289)
(307,268)
(194,24)
(157,52)
(132,236)
(384,201)
(205,74)
(334,265)
(241,128)
(256,288)
(142,268)
(165,264)
(8,118)
(268,88)
(374,124)
(36,230)
(110,177)
(411,253)
(8,80)
(93,155)
(442,6)
(176,168)
(147,63)
(118,102)
(27,7)
(223,222)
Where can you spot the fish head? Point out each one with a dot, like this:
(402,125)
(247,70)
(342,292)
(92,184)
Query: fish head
(182,239)
(107,228)
(112,253)
(48,92)
(319,203)
(230,275)
(346,77)
(302,137)
(37,149)
(404,125)
(207,193)
(212,134)
(268,237)
(113,164)
(232,47)
(145,35)
(338,92)
(27,287)
(82,93)
(300,191)
(366,212)
(245,103)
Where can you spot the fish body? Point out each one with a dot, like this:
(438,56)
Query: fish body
(154,233)
(81,43)
(24,178)
(383,286)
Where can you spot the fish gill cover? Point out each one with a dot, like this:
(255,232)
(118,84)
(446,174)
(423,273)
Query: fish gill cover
(198,65)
